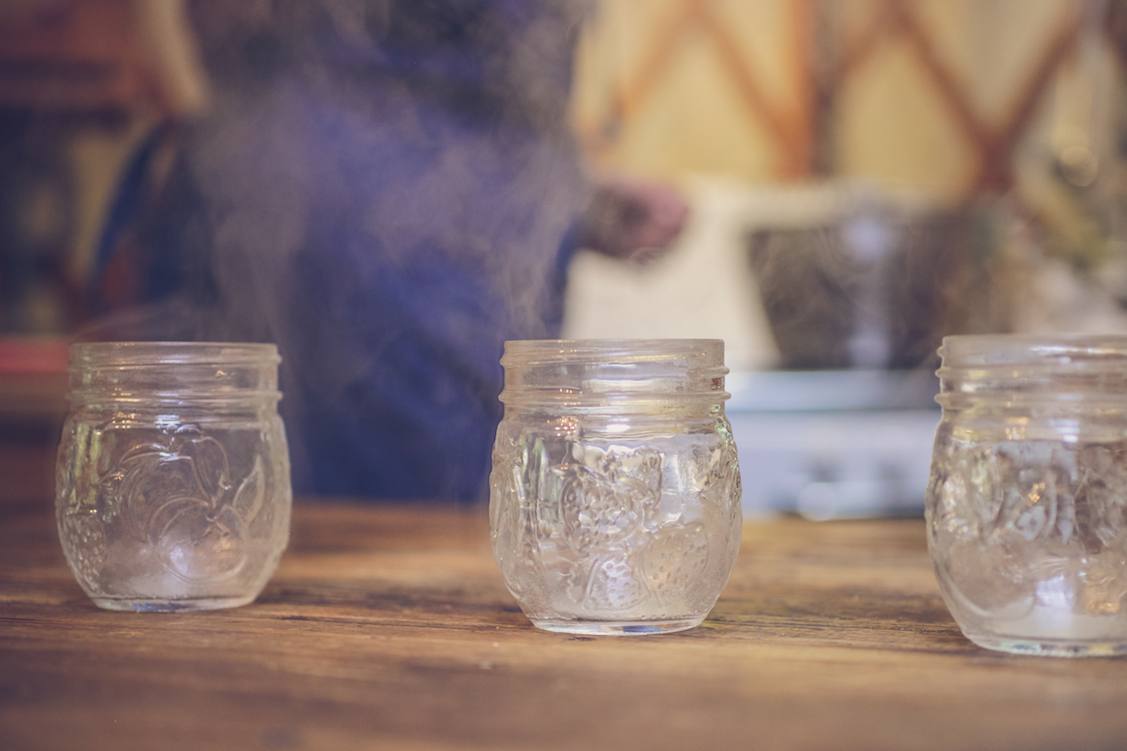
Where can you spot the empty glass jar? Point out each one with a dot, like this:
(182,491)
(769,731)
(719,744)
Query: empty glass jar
(173,487)
(615,490)
(1027,503)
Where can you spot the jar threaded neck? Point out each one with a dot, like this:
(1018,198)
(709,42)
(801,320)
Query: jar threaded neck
(152,373)
(614,374)
(1014,370)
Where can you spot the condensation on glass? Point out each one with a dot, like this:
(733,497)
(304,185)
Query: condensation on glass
(1027,502)
(173,478)
(615,490)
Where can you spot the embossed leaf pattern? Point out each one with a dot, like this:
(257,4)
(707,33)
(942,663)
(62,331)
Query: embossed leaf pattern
(250,496)
(144,477)
(209,460)
(727,493)
(596,533)
(197,543)
(171,516)
(616,584)
(511,519)
(1101,498)
(603,509)
(1019,523)
(87,549)
(503,513)
(176,494)
(676,558)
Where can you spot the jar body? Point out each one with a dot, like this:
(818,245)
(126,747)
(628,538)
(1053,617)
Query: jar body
(168,502)
(1027,516)
(615,523)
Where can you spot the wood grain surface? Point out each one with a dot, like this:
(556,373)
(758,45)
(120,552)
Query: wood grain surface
(390,628)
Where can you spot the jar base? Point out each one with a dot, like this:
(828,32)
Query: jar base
(159,605)
(1049,647)
(615,628)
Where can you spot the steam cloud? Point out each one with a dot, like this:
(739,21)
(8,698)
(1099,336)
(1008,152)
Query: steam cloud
(373,180)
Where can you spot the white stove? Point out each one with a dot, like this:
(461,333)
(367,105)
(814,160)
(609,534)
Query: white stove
(833,444)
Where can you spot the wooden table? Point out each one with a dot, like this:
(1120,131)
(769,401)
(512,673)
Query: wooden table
(390,628)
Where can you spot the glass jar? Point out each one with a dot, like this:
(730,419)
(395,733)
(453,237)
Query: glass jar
(1027,502)
(615,490)
(173,480)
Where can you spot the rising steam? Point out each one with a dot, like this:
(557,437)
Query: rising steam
(370,172)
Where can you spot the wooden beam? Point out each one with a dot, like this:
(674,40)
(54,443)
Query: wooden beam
(861,48)
(779,125)
(995,168)
(637,89)
(944,80)
(1115,26)
(802,20)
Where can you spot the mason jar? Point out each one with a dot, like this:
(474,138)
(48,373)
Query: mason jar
(173,481)
(615,489)
(1027,502)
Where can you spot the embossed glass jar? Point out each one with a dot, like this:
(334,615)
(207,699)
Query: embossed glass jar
(173,485)
(1027,502)
(615,490)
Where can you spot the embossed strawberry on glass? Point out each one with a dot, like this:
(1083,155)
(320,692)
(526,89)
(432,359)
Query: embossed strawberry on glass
(615,490)
(1027,503)
(172,484)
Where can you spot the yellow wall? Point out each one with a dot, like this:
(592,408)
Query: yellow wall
(889,126)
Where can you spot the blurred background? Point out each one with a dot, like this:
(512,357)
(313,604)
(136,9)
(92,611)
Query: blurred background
(828,185)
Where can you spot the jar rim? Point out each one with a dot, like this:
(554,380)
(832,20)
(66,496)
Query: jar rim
(613,374)
(1028,371)
(205,375)
(565,349)
(117,353)
(1009,350)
